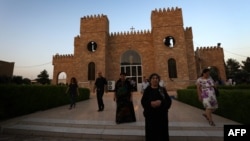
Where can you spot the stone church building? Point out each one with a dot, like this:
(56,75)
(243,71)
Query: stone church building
(166,49)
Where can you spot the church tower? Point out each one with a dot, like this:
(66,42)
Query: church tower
(89,52)
(169,41)
(90,46)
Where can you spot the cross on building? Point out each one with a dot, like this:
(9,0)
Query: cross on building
(132,28)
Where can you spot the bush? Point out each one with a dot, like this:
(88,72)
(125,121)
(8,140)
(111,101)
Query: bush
(234,104)
(17,100)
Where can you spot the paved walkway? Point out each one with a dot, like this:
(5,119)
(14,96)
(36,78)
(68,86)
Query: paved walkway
(180,114)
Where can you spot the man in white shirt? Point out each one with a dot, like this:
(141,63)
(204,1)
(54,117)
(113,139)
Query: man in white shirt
(144,84)
(162,83)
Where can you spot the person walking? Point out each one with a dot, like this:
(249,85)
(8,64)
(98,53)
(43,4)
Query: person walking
(100,86)
(73,92)
(206,94)
(156,103)
(162,83)
(124,101)
(144,84)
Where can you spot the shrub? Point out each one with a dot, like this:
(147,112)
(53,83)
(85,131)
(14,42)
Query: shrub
(234,104)
(17,100)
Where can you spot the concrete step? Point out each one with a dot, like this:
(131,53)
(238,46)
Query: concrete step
(109,130)
(112,124)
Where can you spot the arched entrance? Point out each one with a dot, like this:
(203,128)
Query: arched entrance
(62,78)
(131,65)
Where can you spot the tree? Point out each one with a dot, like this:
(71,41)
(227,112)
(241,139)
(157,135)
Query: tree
(5,79)
(43,77)
(246,70)
(232,67)
(17,80)
(246,65)
(26,81)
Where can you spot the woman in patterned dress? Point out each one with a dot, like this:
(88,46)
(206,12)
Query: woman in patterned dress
(206,94)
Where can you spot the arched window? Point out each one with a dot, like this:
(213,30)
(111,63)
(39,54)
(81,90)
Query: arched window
(130,57)
(172,71)
(91,71)
(131,65)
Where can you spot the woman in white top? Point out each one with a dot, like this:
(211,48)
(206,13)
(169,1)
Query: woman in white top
(206,94)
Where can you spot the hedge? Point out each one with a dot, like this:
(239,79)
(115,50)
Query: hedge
(234,104)
(17,100)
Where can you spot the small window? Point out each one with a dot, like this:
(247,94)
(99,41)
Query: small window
(169,41)
(172,71)
(91,71)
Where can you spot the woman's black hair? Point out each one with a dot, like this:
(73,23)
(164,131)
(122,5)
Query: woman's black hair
(123,73)
(73,79)
(154,74)
(205,71)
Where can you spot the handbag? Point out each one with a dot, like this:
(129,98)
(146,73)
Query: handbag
(216,90)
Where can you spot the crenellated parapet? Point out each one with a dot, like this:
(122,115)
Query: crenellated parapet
(209,48)
(63,57)
(129,33)
(188,33)
(95,17)
(166,17)
(188,29)
(212,52)
(94,23)
(168,10)
(77,41)
(130,36)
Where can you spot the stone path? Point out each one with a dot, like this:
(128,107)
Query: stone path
(85,123)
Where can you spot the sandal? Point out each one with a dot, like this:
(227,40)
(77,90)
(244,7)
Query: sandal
(205,116)
(211,123)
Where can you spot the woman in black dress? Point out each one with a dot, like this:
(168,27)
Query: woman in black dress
(156,103)
(73,92)
(123,97)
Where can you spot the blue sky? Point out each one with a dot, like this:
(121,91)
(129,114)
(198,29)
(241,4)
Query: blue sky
(32,31)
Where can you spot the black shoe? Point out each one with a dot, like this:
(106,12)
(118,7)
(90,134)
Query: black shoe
(99,110)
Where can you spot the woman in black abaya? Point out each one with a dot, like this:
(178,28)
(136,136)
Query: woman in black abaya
(156,103)
(124,104)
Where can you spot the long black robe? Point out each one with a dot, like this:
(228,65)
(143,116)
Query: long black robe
(125,109)
(156,119)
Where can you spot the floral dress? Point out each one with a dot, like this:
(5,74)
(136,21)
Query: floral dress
(207,93)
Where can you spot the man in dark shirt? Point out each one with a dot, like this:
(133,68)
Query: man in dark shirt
(100,86)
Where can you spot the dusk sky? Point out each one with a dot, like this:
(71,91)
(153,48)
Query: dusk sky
(32,31)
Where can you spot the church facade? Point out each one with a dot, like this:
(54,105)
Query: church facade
(166,49)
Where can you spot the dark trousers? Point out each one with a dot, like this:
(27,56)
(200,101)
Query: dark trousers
(72,100)
(99,94)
